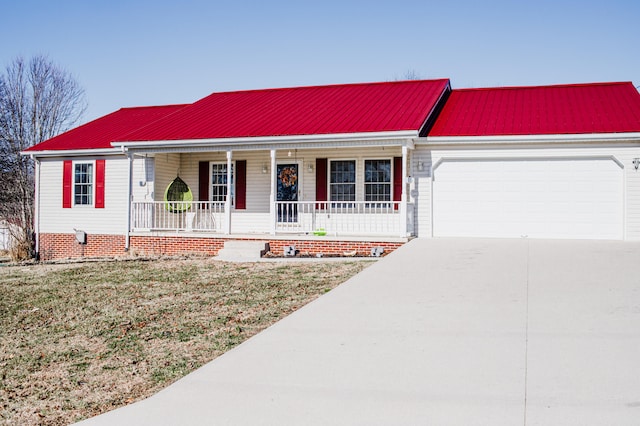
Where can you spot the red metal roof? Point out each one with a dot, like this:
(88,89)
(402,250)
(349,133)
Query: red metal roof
(563,109)
(369,107)
(101,132)
(347,108)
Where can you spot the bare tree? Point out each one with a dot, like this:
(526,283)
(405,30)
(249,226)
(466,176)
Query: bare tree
(38,100)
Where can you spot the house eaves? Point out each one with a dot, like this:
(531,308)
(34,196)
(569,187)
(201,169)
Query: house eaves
(553,139)
(72,153)
(397,138)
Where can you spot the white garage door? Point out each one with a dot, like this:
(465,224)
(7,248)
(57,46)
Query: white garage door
(550,198)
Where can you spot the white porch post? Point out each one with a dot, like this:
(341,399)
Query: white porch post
(272,198)
(227,202)
(403,199)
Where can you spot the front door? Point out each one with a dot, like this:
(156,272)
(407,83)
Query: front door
(287,179)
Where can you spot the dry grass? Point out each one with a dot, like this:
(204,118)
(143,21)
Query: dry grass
(77,340)
(20,250)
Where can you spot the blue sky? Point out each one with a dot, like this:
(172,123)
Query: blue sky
(130,53)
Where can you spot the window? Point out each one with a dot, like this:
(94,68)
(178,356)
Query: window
(342,180)
(83,184)
(377,180)
(219,183)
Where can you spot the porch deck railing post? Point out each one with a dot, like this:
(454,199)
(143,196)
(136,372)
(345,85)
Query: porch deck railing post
(272,197)
(193,216)
(403,198)
(365,218)
(227,204)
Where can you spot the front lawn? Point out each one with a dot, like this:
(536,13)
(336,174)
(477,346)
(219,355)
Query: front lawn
(80,339)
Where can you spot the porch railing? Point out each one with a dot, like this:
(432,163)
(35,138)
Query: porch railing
(356,218)
(339,218)
(177,216)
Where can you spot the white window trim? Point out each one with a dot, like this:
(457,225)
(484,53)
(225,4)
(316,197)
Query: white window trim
(364,180)
(233,182)
(357,164)
(73,184)
(360,177)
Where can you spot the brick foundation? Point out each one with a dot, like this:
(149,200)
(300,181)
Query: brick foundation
(171,246)
(331,247)
(64,246)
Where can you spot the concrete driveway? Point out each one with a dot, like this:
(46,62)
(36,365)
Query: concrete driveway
(441,332)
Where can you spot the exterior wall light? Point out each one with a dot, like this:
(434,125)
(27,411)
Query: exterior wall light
(636,163)
(310,167)
(420,166)
(265,169)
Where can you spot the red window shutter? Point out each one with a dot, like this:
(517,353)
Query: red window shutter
(321,181)
(397,179)
(203,181)
(241,184)
(99,184)
(67,176)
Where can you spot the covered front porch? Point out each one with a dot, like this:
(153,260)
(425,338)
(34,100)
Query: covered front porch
(318,218)
(356,190)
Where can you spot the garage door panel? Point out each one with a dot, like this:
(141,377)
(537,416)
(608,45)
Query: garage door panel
(562,198)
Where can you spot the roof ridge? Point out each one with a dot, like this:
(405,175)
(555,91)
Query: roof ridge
(325,86)
(544,86)
(152,106)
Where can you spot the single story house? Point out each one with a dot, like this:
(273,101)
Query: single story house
(344,168)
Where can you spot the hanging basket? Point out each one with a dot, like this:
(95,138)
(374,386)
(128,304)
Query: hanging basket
(178,196)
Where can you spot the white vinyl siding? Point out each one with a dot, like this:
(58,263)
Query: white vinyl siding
(110,220)
(167,168)
(163,168)
(143,178)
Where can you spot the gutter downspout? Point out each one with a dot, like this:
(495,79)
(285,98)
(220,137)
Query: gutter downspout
(127,242)
(36,208)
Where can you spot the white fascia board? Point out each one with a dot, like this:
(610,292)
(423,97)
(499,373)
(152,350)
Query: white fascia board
(72,153)
(269,140)
(371,143)
(543,139)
